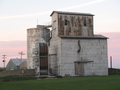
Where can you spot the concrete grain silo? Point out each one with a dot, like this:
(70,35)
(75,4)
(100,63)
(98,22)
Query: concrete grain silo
(33,37)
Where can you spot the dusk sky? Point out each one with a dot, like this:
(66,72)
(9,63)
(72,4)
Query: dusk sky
(16,16)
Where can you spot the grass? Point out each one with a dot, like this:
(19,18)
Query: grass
(111,82)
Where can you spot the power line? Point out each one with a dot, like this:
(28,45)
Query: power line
(21,53)
(11,52)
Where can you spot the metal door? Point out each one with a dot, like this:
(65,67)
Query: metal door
(43,57)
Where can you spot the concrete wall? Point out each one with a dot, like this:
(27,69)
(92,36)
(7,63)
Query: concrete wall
(17,72)
(54,22)
(55,56)
(91,50)
(55,48)
(31,39)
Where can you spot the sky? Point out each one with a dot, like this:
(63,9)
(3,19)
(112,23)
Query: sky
(16,16)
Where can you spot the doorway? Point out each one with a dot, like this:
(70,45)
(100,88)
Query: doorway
(79,68)
(43,57)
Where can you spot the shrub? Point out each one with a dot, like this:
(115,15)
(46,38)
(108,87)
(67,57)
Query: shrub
(113,71)
(17,78)
(2,69)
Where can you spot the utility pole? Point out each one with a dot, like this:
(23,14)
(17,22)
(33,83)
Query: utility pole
(4,56)
(21,53)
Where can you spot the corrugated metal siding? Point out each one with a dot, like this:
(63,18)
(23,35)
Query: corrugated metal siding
(43,63)
(75,25)
(43,49)
(43,56)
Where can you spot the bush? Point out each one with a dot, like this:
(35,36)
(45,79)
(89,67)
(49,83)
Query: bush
(16,78)
(2,69)
(113,71)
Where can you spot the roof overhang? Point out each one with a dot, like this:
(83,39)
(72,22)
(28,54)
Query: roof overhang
(82,61)
(83,37)
(71,13)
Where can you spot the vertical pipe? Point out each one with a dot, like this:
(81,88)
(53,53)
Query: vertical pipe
(48,58)
(111,62)
(39,57)
(4,63)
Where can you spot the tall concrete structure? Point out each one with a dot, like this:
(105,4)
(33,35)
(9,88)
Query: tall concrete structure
(74,49)
(33,37)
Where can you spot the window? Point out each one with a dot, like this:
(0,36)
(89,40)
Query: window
(65,22)
(54,24)
(84,23)
(18,67)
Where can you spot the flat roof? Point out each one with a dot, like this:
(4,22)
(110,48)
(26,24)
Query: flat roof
(72,13)
(83,37)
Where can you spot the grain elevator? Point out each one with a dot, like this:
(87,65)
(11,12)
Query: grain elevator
(73,49)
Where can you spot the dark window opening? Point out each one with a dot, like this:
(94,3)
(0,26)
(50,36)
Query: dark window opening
(65,22)
(84,23)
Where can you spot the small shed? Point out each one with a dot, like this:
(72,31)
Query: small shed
(14,64)
(23,65)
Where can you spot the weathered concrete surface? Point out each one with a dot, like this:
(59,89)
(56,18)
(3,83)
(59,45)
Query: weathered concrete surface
(55,48)
(64,56)
(55,56)
(33,36)
(91,50)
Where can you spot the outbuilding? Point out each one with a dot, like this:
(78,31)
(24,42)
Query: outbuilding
(14,64)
